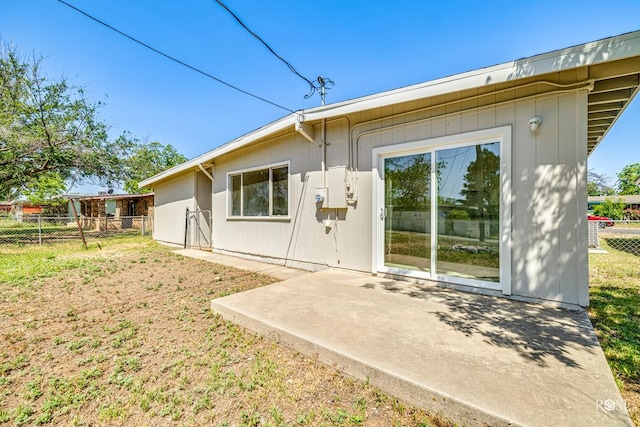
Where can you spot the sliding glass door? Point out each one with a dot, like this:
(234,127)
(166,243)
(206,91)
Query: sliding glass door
(407,212)
(440,212)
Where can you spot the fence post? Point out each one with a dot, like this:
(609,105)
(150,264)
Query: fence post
(142,225)
(40,230)
(75,214)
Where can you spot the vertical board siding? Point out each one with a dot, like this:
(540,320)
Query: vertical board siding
(438,126)
(525,249)
(424,130)
(548,170)
(487,117)
(453,122)
(469,122)
(550,181)
(302,238)
(569,232)
(171,200)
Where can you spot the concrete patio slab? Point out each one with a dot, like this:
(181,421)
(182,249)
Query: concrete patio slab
(479,360)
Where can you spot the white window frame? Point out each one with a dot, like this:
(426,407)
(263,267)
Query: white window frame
(503,135)
(270,167)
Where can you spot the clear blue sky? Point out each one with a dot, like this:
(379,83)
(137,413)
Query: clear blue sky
(364,46)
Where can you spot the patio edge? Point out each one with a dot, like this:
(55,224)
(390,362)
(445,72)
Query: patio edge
(402,388)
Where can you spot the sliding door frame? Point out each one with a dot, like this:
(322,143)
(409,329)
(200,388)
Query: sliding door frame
(503,135)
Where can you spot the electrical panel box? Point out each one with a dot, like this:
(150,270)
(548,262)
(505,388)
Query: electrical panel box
(322,197)
(337,183)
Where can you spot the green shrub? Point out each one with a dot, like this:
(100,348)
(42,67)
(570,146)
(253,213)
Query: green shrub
(610,208)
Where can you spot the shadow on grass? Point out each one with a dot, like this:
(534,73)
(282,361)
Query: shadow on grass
(534,332)
(615,313)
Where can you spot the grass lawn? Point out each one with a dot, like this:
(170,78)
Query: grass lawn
(615,314)
(125,335)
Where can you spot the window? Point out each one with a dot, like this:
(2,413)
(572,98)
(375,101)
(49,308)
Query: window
(259,192)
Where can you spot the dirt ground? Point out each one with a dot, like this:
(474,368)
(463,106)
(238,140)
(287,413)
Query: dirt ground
(125,336)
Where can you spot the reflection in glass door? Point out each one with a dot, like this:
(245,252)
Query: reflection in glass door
(441,213)
(407,212)
(469,212)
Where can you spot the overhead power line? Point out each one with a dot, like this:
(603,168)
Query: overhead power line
(313,87)
(197,70)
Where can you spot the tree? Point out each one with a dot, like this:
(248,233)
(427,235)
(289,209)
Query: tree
(598,184)
(49,131)
(147,160)
(46,191)
(627,179)
(46,188)
(482,187)
(408,181)
(611,208)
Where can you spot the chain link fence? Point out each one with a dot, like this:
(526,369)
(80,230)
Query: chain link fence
(619,235)
(36,229)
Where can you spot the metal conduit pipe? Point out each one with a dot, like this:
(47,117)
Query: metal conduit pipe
(323,162)
(354,155)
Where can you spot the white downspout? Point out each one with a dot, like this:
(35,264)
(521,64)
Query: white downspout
(323,163)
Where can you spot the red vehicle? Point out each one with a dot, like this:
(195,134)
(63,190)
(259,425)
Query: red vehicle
(603,221)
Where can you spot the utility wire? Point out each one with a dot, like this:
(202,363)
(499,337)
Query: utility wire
(312,86)
(197,70)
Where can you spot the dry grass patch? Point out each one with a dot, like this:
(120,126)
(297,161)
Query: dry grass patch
(125,335)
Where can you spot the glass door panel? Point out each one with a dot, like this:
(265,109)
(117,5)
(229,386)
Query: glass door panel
(468,212)
(407,211)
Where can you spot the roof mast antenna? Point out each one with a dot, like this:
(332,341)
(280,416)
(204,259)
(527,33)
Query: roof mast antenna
(320,87)
(323,86)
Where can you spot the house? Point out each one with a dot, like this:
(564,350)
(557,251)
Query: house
(113,205)
(5,208)
(476,181)
(630,201)
(20,207)
(112,212)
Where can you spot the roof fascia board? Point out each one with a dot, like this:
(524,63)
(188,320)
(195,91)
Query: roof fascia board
(111,197)
(255,135)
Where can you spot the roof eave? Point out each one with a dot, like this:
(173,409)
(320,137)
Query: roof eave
(605,50)
(592,53)
(208,157)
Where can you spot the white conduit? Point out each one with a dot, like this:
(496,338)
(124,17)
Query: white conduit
(323,162)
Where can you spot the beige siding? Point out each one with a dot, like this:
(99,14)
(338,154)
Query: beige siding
(545,171)
(201,228)
(525,208)
(302,239)
(548,179)
(172,198)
